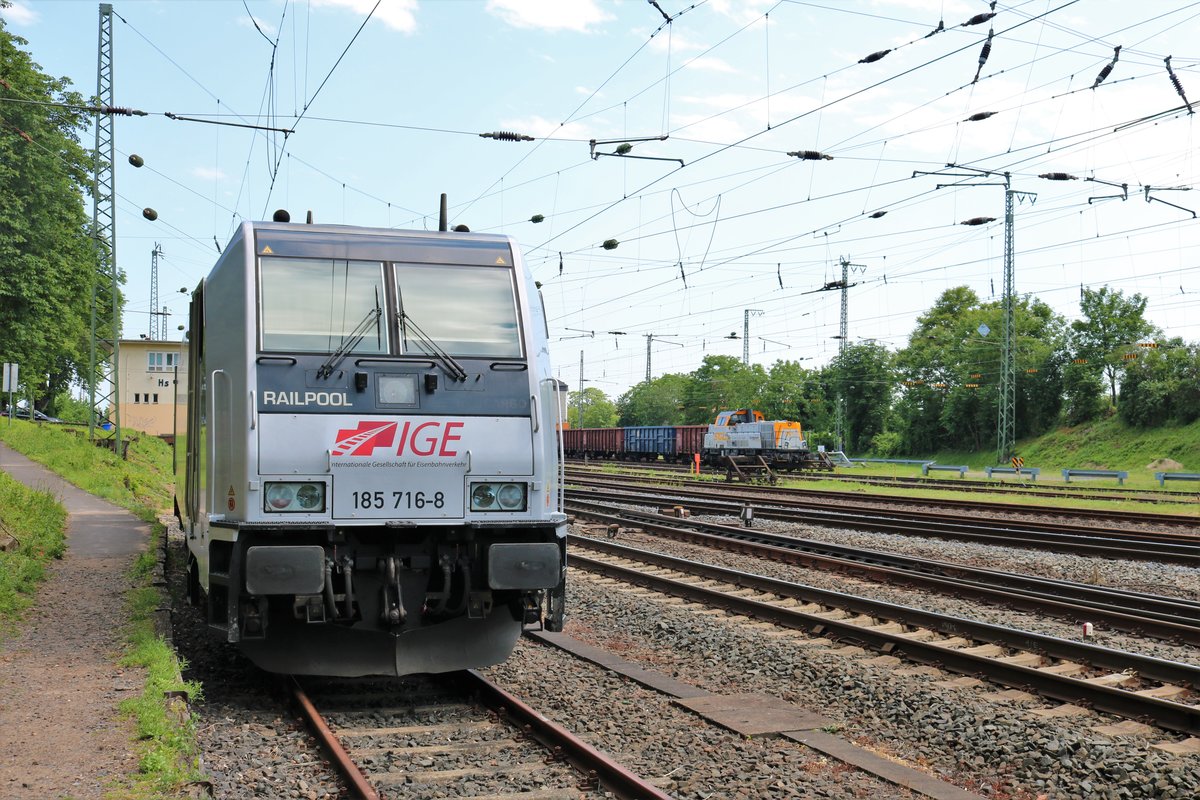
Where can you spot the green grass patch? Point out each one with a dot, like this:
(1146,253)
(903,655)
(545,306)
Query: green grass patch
(33,528)
(169,757)
(143,483)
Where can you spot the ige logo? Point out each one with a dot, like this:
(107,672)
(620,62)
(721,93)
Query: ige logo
(363,440)
(424,439)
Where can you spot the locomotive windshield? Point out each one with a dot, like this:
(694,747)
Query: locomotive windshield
(315,305)
(467,311)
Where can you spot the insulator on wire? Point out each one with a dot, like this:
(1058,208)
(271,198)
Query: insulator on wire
(118,111)
(536,218)
(810,155)
(978,19)
(506,136)
(877,214)
(1058,176)
(1108,68)
(983,54)
(940,28)
(979,117)
(977,221)
(871,59)
(610,244)
(1178,86)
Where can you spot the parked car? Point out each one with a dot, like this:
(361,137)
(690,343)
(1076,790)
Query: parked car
(38,416)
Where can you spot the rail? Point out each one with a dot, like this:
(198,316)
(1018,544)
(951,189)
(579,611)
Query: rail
(1119,474)
(1033,471)
(1162,477)
(960,469)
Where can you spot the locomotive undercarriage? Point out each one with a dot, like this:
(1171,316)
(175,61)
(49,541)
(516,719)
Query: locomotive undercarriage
(384,600)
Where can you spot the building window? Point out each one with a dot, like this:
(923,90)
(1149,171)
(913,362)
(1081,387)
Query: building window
(155,397)
(137,397)
(157,361)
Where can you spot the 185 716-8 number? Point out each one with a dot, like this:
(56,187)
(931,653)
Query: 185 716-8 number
(398,499)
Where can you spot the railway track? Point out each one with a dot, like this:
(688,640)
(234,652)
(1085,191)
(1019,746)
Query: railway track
(458,735)
(1058,491)
(1167,618)
(1086,539)
(1128,685)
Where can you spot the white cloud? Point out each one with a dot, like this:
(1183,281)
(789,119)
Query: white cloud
(551,15)
(676,41)
(399,15)
(742,10)
(711,64)
(19,14)
(931,6)
(208,173)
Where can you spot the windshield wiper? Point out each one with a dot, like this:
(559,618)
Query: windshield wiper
(351,339)
(448,361)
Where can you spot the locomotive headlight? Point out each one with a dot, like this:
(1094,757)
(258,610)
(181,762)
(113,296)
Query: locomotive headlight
(498,496)
(483,496)
(294,497)
(309,496)
(279,496)
(512,496)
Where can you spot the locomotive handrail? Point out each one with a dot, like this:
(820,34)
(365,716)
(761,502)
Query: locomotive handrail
(213,430)
(534,415)
(253,411)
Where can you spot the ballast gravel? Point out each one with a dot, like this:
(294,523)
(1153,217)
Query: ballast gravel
(969,735)
(252,747)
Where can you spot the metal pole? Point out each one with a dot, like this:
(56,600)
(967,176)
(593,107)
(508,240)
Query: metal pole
(649,341)
(154,326)
(843,332)
(580,403)
(104,365)
(746,334)
(1007,422)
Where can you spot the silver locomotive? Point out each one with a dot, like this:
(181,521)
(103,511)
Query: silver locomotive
(370,479)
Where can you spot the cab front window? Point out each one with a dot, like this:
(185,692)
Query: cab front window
(321,305)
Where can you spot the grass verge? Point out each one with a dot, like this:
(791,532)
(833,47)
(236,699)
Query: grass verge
(144,485)
(33,528)
(169,757)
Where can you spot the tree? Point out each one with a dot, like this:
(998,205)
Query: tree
(722,383)
(591,408)
(863,373)
(48,254)
(656,402)
(1162,386)
(1111,322)
(950,372)
(794,393)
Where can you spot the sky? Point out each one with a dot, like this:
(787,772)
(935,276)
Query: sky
(717,223)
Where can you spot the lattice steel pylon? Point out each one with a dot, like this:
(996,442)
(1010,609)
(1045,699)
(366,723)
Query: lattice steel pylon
(843,335)
(1006,423)
(758,312)
(154,310)
(105,317)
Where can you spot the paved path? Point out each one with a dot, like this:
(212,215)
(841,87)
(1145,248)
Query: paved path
(60,733)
